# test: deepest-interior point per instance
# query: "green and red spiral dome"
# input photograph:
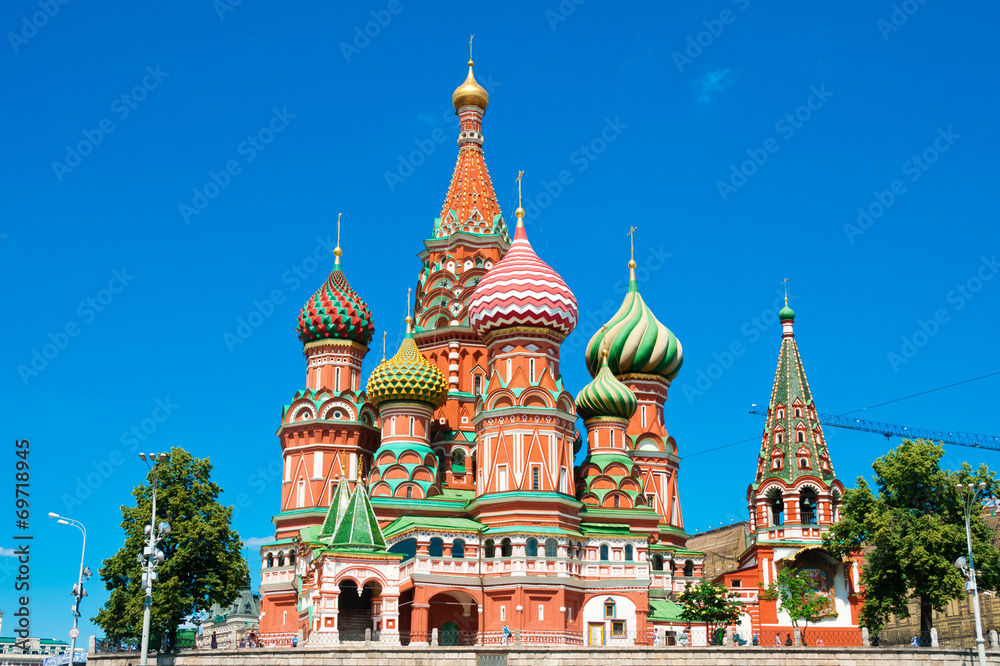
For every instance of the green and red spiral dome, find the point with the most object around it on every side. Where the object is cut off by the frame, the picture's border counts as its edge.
(336, 312)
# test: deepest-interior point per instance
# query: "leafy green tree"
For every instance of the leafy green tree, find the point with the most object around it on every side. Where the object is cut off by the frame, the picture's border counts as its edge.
(911, 530)
(793, 590)
(712, 604)
(203, 565)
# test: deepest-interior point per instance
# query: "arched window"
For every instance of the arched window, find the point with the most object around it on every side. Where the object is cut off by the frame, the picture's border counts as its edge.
(281, 558)
(531, 370)
(673, 566)
(604, 552)
(536, 478)
(392, 426)
(491, 549)
(781, 413)
(407, 548)
(506, 550)
(458, 548)
(807, 504)
(551, 548)
(336, 379)
(688, 568)
(411, 426)
(801, 436)
(531, 547)
(777, 507)
(409, 492)
(291, 557)
(618, 501)
(629, 553)
(436, 548)
(270, 560)
(477, 384)
(803, 463)
(779, 438)
(458, 461)
(441, 466)
(657, 562)
(798, 413)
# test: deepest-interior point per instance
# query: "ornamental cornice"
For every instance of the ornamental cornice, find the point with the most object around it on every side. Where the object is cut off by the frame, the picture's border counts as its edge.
(513, 332)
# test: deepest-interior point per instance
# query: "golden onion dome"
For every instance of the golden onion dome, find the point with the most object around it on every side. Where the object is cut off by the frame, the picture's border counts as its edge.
(470, 93)
(407, 376)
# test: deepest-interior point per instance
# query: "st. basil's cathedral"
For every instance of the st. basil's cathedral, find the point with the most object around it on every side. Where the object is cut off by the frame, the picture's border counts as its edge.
(440, 498)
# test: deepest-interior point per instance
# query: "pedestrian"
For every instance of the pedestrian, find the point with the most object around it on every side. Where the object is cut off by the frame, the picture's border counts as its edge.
(295, 641)
(777, 639)
(915, 641)
(788, 639)
(756, 640)
(215, 641)
(506, 634)
(656, 637)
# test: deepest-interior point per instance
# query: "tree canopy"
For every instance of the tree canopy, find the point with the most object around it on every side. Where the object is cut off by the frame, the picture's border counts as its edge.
(911, 530)
(202, 567)
(710, 603)
(795, 594)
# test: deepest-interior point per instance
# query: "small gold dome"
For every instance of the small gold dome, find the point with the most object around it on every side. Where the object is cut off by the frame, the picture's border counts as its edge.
(470, 93)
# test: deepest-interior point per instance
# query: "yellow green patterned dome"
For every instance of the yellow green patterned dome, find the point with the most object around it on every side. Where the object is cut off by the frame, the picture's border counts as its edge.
(407, 376)
(635, 340)
(606, 396)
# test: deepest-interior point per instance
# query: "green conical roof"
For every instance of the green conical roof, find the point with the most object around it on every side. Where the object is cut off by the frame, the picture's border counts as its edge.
(338, 508)
(636, 341)
(359, 529)
(606, 396)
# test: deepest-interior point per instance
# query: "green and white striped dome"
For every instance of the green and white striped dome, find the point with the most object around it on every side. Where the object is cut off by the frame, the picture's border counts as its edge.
(606, 396)
(636, 341)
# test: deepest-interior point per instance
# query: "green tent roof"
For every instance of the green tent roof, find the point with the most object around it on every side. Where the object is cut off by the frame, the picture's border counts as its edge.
(338, 508)
(665, 611)
(359, 530)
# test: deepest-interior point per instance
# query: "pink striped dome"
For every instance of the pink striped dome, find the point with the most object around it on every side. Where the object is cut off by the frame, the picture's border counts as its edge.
(522, 290)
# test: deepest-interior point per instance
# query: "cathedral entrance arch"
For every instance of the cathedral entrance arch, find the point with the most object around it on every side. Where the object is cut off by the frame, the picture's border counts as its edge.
(357, 609)
(455, 614)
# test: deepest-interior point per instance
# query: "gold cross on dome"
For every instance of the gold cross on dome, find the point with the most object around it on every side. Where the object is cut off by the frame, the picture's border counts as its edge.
(784, 283)
(631, 242)
(384, 333)
(338, 228)
(518, 181)
(470, 47)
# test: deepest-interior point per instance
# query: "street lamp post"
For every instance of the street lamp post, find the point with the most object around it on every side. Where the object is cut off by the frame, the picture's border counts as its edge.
(78, 590)
(971, 496)
(151, 553)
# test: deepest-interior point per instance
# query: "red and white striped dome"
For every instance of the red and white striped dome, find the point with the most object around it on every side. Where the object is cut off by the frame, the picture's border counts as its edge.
(522, 290)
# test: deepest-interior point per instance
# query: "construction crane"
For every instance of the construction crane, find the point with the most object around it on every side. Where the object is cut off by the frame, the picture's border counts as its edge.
(889, 430)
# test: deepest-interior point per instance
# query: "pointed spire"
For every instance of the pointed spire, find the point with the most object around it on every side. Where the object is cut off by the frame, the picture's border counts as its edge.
(792, 422)
(359, 529)
(632, 285)
(338, 508)
(337, 251)
(519, 213)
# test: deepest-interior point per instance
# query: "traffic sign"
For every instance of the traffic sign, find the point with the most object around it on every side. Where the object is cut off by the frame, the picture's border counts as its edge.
(74, 633)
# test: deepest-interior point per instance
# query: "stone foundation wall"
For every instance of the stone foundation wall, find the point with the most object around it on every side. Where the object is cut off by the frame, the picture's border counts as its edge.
(374, 655)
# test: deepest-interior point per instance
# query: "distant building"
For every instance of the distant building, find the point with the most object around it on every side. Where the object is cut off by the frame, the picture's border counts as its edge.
(234, 622)
(30, 651)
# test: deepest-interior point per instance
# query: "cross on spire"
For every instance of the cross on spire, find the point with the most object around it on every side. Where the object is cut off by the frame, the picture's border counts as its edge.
(470, 47)
(784, 283)
(384, 333)
(518, 181)
(631, 243)
(337, 251)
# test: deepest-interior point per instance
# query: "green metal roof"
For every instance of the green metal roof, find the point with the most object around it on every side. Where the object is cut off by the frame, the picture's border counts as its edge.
(665, 611)
(359, 528)
(604, 528)
(406, 523)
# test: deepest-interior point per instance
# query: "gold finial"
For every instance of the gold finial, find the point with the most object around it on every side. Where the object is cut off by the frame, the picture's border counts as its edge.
(361, 469)
(384, 333)
(604, 342)
(519, 213)
(409, 319)
(631, 261)
(784, 283)
(337, 251)
(470, 50)
(343, 466)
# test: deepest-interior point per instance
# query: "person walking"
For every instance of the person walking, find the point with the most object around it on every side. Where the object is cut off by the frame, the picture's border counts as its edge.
(777, 639)
(215, 641)
(788, 639)
(506, 634)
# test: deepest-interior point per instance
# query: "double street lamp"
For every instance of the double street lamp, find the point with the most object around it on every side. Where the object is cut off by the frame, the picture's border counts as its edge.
(153, 556)
(971, 496)
(78, 591)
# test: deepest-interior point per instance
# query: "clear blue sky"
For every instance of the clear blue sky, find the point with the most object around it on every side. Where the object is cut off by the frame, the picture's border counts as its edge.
(713, 255)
